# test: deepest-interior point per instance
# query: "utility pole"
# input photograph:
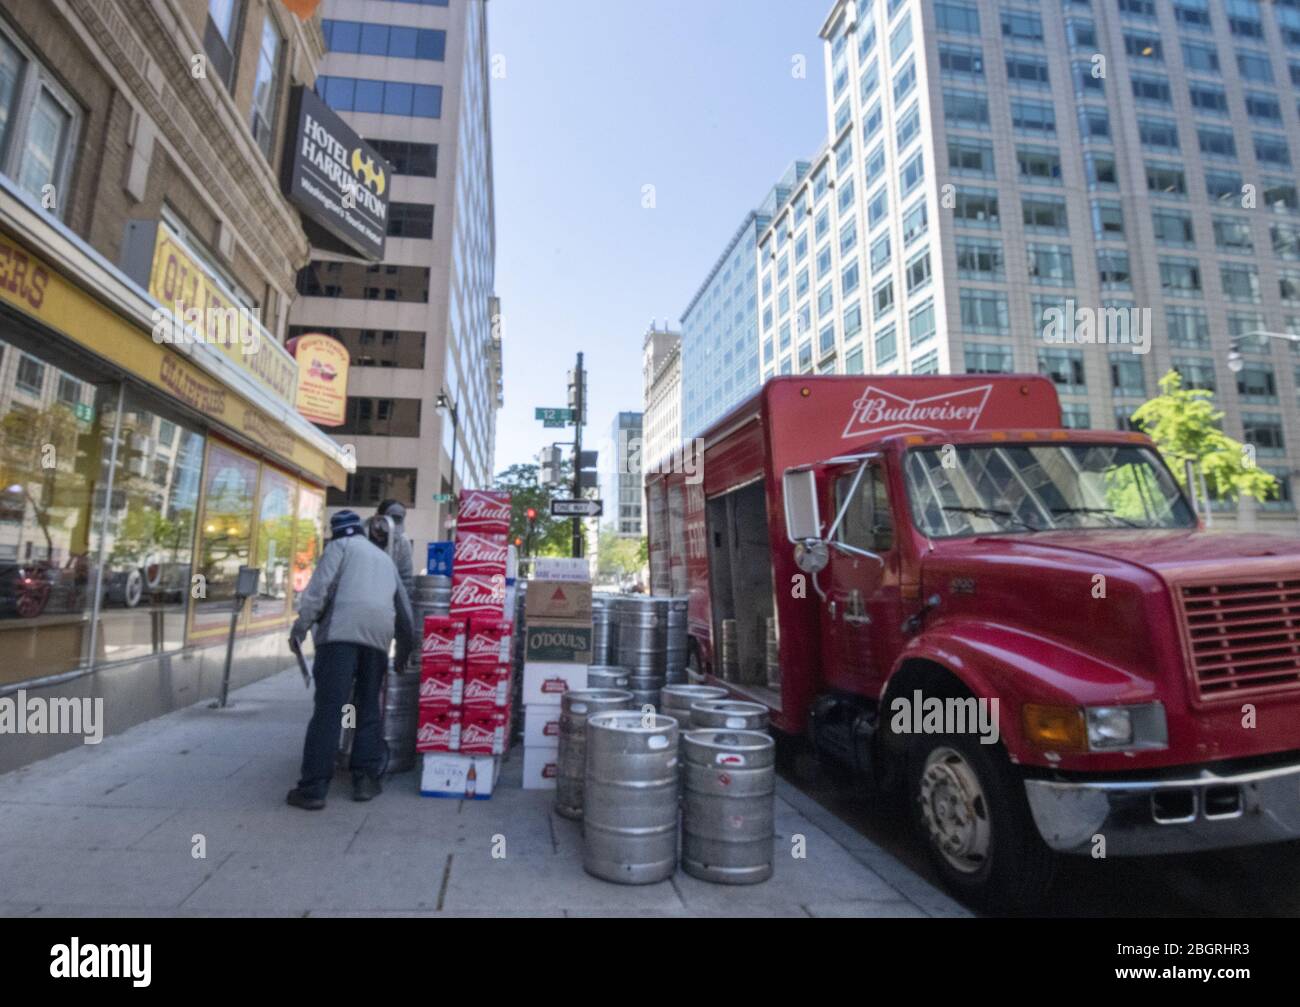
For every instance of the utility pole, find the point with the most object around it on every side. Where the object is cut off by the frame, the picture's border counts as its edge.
(579, 414)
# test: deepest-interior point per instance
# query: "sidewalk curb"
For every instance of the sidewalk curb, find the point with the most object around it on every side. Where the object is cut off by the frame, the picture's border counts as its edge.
(904, 880)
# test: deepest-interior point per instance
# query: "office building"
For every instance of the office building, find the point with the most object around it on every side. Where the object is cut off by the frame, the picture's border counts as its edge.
(989, 165)
(422, 327)
(624, 488)
(661, 372)
(720, 363)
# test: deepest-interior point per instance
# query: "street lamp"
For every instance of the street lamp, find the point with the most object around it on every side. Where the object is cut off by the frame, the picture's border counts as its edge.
(1236, 361)
(444, 402)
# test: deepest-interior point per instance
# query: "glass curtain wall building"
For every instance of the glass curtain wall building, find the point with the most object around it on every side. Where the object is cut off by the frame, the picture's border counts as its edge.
(991, 167)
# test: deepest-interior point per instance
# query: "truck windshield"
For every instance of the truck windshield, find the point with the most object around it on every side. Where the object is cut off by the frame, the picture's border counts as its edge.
(985, 489)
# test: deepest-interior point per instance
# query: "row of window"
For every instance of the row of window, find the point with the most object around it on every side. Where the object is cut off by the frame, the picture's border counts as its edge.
(370, 39)
(386, 97)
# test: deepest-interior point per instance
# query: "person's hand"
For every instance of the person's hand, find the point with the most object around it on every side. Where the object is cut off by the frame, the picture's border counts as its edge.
(296, 636)
(401, 659)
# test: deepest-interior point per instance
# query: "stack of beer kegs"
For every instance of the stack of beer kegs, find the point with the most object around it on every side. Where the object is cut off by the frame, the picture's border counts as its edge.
(602, 627)
(642, 645)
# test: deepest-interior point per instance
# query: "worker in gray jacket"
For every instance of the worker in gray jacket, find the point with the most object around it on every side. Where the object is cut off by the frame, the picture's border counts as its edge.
(354, 606)
(399, 547)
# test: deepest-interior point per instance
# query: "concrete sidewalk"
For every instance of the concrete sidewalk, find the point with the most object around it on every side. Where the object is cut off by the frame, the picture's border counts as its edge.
(114, 830)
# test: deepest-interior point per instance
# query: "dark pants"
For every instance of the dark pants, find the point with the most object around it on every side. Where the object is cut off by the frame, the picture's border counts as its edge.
(337, 667)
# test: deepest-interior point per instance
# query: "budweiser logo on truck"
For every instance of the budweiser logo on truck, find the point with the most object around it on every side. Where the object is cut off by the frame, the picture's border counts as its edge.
(483, 511)
(476, 553)
(880, 412)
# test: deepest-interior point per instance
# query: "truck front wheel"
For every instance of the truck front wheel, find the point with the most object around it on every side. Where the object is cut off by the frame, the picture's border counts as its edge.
(969, 809)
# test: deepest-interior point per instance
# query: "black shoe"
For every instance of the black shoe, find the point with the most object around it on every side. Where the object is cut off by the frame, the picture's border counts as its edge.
(366, 787)
(305, 801)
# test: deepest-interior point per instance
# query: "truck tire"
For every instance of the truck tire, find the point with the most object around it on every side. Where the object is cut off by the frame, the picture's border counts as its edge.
(968, 807)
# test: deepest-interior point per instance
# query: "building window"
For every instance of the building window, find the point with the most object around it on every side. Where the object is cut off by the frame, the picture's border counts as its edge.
(886, 346)
(970, 157)
(1051, 264)
(220, 37)
(371, 39)
(984, 311)
(1173, 227)
(369, 487)
(1188, 328)
(921, 325)
(386, 97)
(1196, 372)
(926, 363)
(1033, 117)
(1126, 375)
(1256, 383)
(1264, 430)
(1180, 277)
(266, 88)
(1064, 367)
(38, 124)
(408, 157)
(985, 358)
(979, 260)
(976, 207)
(1045, 213)
(915, 222)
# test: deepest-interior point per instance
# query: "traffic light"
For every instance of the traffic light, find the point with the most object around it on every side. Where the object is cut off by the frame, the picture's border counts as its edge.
(532, 513)
(548, 460)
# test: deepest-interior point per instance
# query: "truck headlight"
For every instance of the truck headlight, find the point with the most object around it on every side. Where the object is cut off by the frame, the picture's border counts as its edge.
(1126, 728)
(1096, 728)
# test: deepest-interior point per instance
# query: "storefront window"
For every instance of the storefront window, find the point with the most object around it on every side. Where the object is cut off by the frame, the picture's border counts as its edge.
(275, 528)
(309, 540)
(225, 536)
(148, 535)
(54, 426)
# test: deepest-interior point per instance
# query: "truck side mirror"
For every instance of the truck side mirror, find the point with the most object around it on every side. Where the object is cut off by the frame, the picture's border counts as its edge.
(802, 520)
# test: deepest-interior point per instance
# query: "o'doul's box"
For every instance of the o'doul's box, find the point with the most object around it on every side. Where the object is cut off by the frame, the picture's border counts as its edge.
(558, 640)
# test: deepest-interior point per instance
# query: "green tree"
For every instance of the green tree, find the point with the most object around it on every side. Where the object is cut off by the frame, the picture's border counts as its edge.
(1185, 425)
(551, 536)
(617, 556)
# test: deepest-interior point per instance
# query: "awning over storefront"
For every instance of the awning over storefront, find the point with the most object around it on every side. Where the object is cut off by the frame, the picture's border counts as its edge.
(71, 289)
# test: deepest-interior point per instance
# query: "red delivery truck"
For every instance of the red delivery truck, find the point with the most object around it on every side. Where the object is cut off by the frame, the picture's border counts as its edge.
(1022, 627)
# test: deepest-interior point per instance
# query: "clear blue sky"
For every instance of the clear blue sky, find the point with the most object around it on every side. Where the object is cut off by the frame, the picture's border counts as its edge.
(602, 97)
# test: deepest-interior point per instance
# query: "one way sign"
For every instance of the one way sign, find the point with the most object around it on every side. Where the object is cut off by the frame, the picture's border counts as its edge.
(577, 508)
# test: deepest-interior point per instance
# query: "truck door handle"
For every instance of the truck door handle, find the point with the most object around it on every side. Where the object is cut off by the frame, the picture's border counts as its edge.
(833, 608)
(857, 620)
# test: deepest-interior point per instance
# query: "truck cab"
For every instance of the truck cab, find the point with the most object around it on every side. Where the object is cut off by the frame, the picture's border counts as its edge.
(1023, 628)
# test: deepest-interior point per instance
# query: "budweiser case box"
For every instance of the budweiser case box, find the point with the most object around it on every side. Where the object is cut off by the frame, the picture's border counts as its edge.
(444, 641)
(546, 681)
(557, 599)
(487, 686)
(439, 729)
(463, 777)
(541, 725)
(561, 568)
(541, 767)
(479, 552)
(486, 511)
(489, 640)
(442, 686)
(477, 594)
(484, 731)
(558, 640)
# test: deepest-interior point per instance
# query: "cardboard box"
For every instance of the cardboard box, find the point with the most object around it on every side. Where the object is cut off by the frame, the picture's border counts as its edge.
(444, 640)
(561, 568)
(442, 685)
(487, 686)
(489, 641)
(541, 767)
(485, 732)
(477, 594)
(477, 552)
(461, 777)
(541, 725)
(567, 641)
(557, 599)
(486, 511)
(439, 729)
(546, 681)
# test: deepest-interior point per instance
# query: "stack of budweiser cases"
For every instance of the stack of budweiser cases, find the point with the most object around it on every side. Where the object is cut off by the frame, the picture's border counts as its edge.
(465, 673)
(557, 651)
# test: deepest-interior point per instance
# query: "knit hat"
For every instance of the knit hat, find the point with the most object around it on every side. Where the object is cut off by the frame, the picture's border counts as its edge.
(345, 523)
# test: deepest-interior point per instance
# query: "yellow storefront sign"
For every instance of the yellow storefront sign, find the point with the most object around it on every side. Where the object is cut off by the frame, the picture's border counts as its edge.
(181, 283)
(33, 287)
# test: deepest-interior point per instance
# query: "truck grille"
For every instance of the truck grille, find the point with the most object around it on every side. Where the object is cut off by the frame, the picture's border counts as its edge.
(1243, 639)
